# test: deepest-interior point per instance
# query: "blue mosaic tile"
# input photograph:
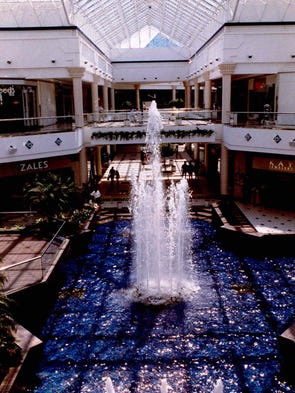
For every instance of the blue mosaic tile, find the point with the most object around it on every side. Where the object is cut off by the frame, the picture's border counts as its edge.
(228, 329)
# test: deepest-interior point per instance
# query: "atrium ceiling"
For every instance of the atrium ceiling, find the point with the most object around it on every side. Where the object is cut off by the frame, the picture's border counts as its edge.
(115, 24)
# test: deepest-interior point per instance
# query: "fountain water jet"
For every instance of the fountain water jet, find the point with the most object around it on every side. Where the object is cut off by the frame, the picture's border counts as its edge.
(109, 386)
(218, 387)
(164, 385)
(161, 228)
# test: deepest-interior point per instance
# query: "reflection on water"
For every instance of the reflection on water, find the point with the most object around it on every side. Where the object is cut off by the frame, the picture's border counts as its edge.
(227, 330)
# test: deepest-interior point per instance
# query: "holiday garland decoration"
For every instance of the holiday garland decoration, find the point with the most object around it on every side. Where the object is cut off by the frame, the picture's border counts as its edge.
(129, 135)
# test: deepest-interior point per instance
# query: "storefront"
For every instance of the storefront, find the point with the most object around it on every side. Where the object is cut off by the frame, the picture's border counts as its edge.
(264, 180)
(17, 102)
(18, 174)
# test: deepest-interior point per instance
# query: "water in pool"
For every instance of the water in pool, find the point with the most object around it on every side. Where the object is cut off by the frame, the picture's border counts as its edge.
(226, 330)
(159, 306)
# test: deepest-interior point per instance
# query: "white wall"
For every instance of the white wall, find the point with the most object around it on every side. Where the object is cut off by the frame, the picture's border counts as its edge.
(274, 141)
(255, 49)
(149, 72)
(44, 54)
(37, 48)
(13, 148)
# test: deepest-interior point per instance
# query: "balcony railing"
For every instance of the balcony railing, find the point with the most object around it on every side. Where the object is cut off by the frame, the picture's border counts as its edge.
(263, 119)
(36, 124)
(134, 117)
(123, 118)
(36, 270)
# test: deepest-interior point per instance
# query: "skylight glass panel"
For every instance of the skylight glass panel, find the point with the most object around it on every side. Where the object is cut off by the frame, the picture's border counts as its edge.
(141, 38)
(161, 41)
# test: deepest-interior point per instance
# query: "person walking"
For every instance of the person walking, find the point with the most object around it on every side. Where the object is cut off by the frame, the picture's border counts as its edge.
(117, 176)
(95, 195)
(112, 175)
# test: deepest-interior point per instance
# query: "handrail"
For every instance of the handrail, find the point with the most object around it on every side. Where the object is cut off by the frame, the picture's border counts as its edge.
(38, 256)
(162, 110)
(36, 118)
(54, 237)
(20, 263)
(102, 118)
(262, 119)
(109, 112)
(41, 258)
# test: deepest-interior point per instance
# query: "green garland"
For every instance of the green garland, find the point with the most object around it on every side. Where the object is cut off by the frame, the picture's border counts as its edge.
(129, 135)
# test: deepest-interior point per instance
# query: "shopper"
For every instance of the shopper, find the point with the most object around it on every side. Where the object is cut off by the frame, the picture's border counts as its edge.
(95, 195)
(112, 174)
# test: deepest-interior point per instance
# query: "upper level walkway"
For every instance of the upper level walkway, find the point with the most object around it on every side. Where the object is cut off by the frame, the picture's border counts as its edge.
(134, 118)
(106, 119)
(44, 138)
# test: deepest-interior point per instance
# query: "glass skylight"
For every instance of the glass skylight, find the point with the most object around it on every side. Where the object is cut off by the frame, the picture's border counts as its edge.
(136, 23)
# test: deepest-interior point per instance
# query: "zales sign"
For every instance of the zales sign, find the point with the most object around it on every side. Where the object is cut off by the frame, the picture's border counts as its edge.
(33, 166)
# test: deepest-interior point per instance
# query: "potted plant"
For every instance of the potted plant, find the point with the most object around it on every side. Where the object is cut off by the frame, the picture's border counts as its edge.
(10, 352)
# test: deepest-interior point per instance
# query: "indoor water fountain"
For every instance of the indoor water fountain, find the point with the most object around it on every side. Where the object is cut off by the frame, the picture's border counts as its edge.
(98, 339)
(161, 228)
(218, 388)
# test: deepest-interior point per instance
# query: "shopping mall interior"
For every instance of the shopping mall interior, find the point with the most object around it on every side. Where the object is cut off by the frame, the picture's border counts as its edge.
(80, 82)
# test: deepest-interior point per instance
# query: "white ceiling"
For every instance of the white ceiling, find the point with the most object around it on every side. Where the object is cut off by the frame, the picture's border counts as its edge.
(114, 24)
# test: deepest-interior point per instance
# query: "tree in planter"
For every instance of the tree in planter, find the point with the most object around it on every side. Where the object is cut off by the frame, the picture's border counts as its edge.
(127, 105)
(10, 352)
(51, 194)
(56, 197)
(167, 149)
(177, 103)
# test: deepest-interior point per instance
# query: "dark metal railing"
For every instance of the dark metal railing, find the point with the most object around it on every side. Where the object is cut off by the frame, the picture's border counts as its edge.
(136, 117)
(264, 119)
(36, 124)
(125, 118)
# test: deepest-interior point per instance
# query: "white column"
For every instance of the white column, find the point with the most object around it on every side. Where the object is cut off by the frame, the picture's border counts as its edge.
(137, 96)
(173, 93)
(206, 156)
(76, 73)
(196, 92)
(196, 150)
(94, 94)
(83, 167)
(187, 102)
(227, 71)
(224, 171)
(207, 91)
(98, 160)
(105, 96)
(113, 99)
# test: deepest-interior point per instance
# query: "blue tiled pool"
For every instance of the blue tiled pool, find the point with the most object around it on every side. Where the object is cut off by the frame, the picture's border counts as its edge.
(229, 329)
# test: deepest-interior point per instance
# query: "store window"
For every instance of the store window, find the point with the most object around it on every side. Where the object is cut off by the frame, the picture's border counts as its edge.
(18, 103)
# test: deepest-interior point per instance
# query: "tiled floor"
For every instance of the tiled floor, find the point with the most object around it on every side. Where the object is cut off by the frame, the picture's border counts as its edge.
(264, 220)
(130, 165)
(269, 220)
(15, 248)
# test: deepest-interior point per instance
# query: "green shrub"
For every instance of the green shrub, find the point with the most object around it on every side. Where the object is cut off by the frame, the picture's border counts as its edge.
(10, 352)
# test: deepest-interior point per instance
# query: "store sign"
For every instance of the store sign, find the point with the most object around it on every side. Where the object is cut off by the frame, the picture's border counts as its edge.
(33, 166)
(277, 165)
(7, 90)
